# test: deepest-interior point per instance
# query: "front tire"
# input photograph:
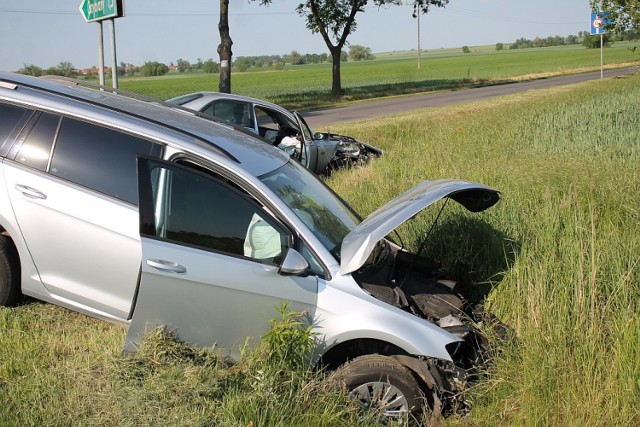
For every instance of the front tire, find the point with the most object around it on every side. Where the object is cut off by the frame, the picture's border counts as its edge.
(382, 384)
(9, 273)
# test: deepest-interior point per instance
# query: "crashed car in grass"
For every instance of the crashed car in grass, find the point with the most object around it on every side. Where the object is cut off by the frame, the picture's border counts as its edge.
(319, 152)
(138, 213)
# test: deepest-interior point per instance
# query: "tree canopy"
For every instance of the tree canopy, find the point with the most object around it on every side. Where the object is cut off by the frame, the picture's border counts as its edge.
(154, 68)
(623, 14)
(336, 19)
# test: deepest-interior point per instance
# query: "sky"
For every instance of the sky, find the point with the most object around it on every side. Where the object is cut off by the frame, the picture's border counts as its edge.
(46, 32)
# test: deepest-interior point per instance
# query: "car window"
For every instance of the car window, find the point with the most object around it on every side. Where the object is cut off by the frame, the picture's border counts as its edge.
(180, 100)
(201, 210)
(10, 115)
(236, 112)
(36, 148)
(100, 158)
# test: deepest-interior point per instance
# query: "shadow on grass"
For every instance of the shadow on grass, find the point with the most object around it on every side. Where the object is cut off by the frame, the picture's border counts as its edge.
(474, 253)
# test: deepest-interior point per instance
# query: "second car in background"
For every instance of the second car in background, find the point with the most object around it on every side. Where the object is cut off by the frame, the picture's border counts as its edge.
(320, 152)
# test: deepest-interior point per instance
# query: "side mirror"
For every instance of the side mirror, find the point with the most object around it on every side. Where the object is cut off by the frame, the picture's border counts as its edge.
(293, 264)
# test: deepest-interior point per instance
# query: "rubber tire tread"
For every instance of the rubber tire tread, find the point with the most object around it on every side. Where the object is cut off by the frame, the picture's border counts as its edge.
(377, 367)
(9, 273)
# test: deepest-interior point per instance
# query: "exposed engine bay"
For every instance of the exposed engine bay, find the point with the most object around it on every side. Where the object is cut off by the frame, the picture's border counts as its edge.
(417, 285)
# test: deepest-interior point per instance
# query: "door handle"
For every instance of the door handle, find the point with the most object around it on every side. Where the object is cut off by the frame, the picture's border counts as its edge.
(168, 266)
(32, 193)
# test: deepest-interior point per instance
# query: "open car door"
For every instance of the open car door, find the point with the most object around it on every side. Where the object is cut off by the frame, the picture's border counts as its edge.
(309, 149)
(212, 261)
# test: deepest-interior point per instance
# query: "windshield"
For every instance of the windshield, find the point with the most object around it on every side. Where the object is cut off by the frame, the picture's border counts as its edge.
(328, 217)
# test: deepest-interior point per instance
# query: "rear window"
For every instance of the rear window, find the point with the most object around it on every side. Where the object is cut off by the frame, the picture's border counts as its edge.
(10, 115)
(100, 158)
(181, 100)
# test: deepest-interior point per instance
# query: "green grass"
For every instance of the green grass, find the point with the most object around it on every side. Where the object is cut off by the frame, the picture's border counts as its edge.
(308, 86)
(558, 257)
(557, 260)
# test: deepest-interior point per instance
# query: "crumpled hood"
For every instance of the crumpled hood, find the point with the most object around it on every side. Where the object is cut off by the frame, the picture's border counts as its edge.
(358, 244)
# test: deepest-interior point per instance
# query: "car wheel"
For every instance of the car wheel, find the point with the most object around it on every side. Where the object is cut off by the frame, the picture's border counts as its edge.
(382, 384)
(9, 273)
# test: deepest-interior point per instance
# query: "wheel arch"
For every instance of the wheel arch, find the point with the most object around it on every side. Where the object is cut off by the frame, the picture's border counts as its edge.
(419, 367)
(11, 294)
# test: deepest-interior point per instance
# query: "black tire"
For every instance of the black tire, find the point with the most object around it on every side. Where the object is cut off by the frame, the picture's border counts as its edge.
(9, 273)
(382, 384)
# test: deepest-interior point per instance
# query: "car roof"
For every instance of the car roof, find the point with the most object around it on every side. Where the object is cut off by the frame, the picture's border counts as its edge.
(220, 95)
(253, 154)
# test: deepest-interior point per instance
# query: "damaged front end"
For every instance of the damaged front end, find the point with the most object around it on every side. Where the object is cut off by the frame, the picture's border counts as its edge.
(418, 286)
(348, 151)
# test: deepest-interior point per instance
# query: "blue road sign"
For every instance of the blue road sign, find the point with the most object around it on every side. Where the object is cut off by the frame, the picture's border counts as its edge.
(598, 22)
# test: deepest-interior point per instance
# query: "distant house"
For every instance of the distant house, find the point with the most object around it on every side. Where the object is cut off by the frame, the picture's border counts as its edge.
(93, 71)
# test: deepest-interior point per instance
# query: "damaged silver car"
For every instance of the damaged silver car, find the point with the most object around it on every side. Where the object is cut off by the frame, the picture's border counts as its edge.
(138, 213)
(320, 152)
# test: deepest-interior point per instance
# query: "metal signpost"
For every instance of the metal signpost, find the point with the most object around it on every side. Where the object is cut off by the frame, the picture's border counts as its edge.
(598, 23)
(98, 11)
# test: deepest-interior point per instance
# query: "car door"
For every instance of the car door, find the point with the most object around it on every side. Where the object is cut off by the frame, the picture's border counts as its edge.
(72, 186)
(210, 261)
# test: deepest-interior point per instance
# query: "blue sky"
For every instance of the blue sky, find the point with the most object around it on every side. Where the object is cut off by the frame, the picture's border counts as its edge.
(45, 32)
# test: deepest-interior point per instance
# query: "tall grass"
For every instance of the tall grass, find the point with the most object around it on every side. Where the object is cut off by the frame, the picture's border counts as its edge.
(558, 259)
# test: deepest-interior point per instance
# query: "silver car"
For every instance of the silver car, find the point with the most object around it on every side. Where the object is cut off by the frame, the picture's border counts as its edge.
(320, 152)
(138, 213)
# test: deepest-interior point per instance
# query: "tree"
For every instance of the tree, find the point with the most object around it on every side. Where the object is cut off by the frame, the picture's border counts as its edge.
(360, 53)
(294, 58)
(184, 65)
(210, 66)
(593, 42)
(242, 64)
(66, 69)
(624, 15)
(499, 46)
(31, 70)
(465, 49)
(224, 48)
(336, 19)
(154, 68)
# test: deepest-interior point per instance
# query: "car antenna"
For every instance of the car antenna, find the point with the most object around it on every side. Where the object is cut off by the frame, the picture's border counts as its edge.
(424, 242)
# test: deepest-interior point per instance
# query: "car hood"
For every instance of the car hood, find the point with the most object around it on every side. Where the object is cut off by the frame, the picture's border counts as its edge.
(360, 242)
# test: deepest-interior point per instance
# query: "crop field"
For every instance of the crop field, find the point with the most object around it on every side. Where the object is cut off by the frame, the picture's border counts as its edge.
(309, 86)
(557, 260)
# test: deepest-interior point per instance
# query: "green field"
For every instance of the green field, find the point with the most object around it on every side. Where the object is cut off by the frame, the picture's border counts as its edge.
(558, 260)
(394, 73)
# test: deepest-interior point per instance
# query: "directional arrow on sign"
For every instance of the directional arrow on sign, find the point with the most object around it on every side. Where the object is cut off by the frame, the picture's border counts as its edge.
(98, 10)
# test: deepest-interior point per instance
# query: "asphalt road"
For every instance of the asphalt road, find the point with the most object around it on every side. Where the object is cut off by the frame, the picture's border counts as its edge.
(370, 109)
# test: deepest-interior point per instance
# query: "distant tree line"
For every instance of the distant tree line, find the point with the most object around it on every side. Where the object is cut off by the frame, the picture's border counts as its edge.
(278, 62)
(583, 37)
(64, 68)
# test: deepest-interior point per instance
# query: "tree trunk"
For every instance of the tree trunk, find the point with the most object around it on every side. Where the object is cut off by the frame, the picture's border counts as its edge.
(336, 85)
(224, 48)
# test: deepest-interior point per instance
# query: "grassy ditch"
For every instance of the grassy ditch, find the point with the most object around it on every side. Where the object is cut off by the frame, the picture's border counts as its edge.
(557, 260)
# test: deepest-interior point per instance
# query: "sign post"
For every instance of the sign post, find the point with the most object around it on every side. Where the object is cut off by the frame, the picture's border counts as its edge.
(598, 23)
(98, 11)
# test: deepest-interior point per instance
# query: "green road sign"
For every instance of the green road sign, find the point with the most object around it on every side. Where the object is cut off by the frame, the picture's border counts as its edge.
(97, 10)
